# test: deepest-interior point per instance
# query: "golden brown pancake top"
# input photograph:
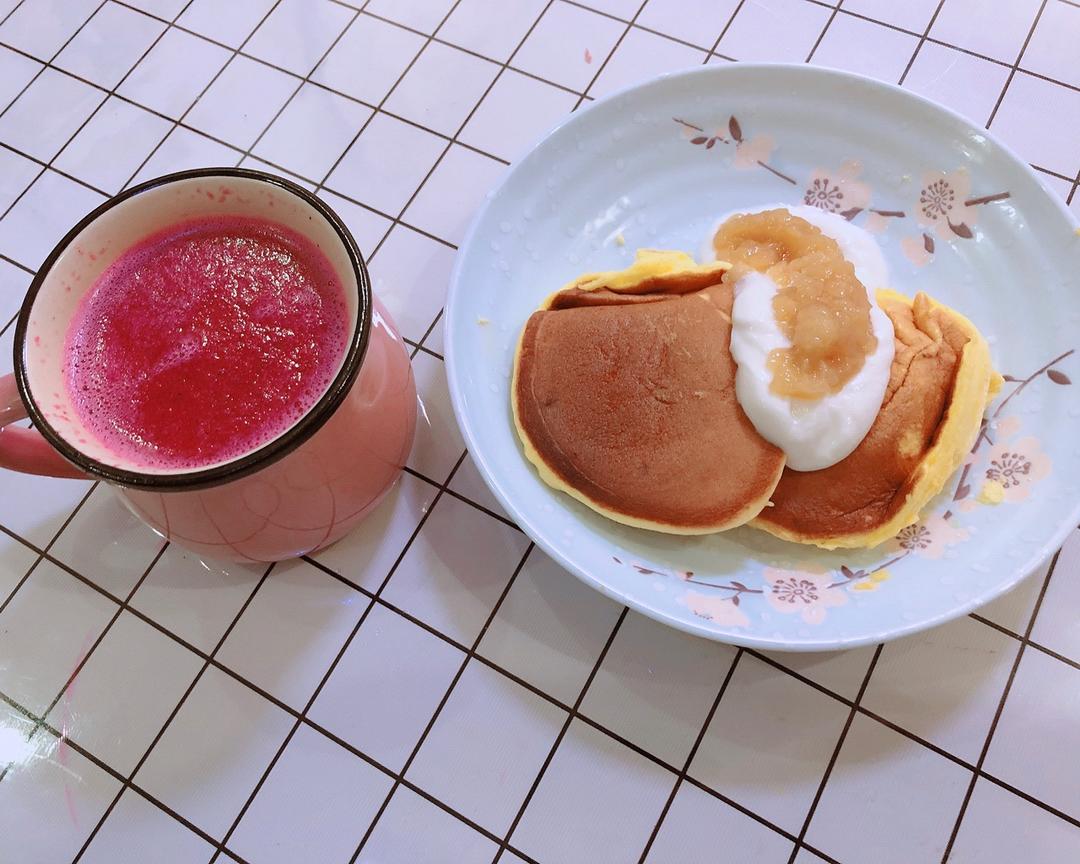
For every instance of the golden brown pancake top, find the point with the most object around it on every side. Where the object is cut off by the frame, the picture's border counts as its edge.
(628, 399)
(870, 486)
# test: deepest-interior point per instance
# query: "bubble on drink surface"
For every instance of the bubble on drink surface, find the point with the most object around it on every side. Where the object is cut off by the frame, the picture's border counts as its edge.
(204, 342)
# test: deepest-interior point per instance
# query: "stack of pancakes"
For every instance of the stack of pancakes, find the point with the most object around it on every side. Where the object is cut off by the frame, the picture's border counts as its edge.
(624, 397)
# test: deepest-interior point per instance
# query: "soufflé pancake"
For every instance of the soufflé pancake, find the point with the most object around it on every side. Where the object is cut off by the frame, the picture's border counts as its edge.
(783, 385)
(624, 397)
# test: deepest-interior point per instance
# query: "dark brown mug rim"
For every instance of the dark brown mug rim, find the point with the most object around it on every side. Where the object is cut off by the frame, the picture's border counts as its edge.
(280, 446)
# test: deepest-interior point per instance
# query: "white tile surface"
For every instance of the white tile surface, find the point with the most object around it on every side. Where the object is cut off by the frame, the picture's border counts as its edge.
(298, 33)
(41, 27)
(167, 9)
(467, 480)
(453, 193)
(699, 22)
(1001, 826)
(1036, 118)
(912, 15)
(230, 23)
(769, 743)
(366, 555)
(16, 71)
(315, 805)
(292, 630)
(46, 630)
(51, 110)
(450, 585)
(15, 561)
(50, 803)
(174, 73)
(550, 629)
(125, 692)
(699, 825)
(386, 687)
(207, 778)
(861, 46)
(240, 104)
(656, 686)
(842, 672)
(486, 747)
(568, 45)
(438, 443)
(441, 88)
(867, 811)
(368, 59)
(107, 544)
(958, 23)
(640, 56)
(138, 832)
(597, 802)
(968, 85)
(422, 15)
(1052, 49)
(781, 31)
(365, 175)
(514, 115)
(1057, 627)
(409, 274)
(109, 45)
(182, 149)
(197, 600)
(16, 173)
(415, 830)
(953, 707)
(1043, 706)
(492, 28)
(113, 144)
(28, 233)
(289, 142)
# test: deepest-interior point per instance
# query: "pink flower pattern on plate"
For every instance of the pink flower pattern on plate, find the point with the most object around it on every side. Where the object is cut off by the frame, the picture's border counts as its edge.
(838, 191)
(930, 537)
(805, 592)
(720, 610)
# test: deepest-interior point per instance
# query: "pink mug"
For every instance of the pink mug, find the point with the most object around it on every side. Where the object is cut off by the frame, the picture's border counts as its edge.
(301, 491)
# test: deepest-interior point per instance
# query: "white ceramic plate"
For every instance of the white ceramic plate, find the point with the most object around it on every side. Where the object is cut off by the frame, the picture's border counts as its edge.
(957, 215)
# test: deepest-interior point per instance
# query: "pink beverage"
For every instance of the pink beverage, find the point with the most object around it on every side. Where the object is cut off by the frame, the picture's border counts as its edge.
(236, 314)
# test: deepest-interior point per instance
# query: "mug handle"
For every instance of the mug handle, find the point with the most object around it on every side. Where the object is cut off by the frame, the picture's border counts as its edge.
(24, 449)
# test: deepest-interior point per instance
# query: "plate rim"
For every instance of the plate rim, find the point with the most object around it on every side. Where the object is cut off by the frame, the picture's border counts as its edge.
(458, 397)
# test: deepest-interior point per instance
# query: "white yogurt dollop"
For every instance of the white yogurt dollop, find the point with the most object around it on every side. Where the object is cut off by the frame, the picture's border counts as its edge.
(813, 433)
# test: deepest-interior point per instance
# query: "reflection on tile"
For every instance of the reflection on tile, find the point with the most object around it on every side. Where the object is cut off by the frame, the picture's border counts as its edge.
(656, 685)
(486, 747)
(386, 687)
(46, 630)
(438, 443)
(51, 802)
(968, 85)
(126, 691)
(867, 812)
(598, 801)
(315, 805)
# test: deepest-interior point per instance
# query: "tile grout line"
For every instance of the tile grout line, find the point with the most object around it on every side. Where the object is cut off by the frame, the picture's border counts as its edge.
(821, 36)
(302, 717)
(177, 122)
(13, 10)
(470, 654)
(505, 843)
(1016, 65)
(614, 48)
(1000, 708)
(922, 41)
(835, 755)
(690, 757)
(129, 779)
